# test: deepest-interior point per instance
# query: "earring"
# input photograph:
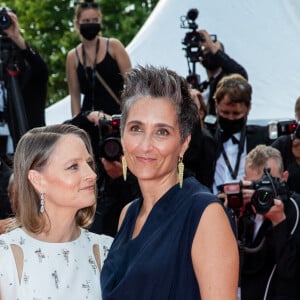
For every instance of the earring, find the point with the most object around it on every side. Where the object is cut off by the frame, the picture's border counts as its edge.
(180, 171)
(124, 167)
(42, 203)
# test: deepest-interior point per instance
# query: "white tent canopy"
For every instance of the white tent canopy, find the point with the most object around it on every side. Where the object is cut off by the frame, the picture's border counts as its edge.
(263, 36)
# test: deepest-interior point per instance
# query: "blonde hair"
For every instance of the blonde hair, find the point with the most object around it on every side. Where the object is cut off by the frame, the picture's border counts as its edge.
(258, 157)
(32, 153)
(82, 6)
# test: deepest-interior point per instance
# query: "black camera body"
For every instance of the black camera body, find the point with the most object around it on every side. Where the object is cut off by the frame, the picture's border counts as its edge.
(296, 133)
(283, 127)
(193, 37)
(110, 138)
(266, 190)
(5, 19)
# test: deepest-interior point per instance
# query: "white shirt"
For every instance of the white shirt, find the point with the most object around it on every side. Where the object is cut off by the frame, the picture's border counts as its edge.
(222, 173)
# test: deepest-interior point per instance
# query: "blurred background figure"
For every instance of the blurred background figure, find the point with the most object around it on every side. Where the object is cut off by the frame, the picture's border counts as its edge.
(95, 68)
(200, 156)
(233, 136)
(289, 147)
(9, 219)
(23, 84)
(297, 109)
(268, 229)
(217, 65)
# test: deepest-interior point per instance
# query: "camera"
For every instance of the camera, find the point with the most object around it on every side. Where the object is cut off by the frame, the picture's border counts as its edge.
(5, 19)
(110, 138)
(193, 37)
(233, 192)
(266, 190)
(278, 128)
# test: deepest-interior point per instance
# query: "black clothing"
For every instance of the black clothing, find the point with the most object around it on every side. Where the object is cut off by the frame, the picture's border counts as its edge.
(284, 145)
(157, 264)
(34, 80)
(276, 258)
(25, 77)
(96, 97)
(204, 150)
(255, 135)
(199, 158)
(5, 173)
(113, 195)
(229, 66)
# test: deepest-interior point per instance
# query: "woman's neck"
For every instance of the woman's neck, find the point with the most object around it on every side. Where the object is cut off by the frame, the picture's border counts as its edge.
(90, 44)
(60, 231)
(152, 191)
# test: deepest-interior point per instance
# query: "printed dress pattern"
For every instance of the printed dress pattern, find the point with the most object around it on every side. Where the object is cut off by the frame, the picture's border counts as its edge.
(51, 270)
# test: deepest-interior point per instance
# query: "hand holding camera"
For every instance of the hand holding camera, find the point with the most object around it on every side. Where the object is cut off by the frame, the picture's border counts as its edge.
(209, 43)
(9, 25)
(266, 195)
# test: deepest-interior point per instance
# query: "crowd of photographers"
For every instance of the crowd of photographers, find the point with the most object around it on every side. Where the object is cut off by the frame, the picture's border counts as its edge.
(256, 174)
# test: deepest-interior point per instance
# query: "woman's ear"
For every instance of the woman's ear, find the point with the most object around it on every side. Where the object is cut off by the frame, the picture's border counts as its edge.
(35, 178)
(185, 145)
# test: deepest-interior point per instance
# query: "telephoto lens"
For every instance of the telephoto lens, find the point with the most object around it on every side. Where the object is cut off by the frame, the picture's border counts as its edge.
(5, 19)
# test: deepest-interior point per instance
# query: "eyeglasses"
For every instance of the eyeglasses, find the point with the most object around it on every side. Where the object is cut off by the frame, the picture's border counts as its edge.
(87, 4)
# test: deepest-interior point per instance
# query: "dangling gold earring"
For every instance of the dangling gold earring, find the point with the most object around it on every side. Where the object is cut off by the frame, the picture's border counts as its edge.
(124, 167)
(42, 203)
(180, 171)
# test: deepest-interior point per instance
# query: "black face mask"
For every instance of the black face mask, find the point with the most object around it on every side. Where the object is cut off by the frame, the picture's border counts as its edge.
(208, 62)
(231, 127)
(89, 30)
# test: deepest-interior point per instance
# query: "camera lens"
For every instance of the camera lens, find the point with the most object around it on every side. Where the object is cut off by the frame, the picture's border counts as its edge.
(111, 149)
(5, 20)
(263, 199)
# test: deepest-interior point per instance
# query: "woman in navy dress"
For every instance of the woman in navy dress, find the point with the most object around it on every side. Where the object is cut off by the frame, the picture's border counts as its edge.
(175, 242)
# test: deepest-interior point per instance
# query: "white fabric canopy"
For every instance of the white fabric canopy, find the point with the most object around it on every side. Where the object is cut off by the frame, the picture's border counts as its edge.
(263, 36)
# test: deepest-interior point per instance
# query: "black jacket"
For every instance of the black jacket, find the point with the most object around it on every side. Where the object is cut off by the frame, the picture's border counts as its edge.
(284, 145)
(274, 267)
(204, 150)
(229, 66)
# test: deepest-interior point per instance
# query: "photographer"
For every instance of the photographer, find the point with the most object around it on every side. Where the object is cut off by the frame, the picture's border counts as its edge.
(289, 147)
(20, 60)
(217, 64)
(233, 136)
(268, 229)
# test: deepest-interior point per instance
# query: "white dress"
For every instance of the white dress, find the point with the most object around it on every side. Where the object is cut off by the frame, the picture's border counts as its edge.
(56, 271)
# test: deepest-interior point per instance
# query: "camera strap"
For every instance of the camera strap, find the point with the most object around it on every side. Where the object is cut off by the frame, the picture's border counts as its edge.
(234, 172)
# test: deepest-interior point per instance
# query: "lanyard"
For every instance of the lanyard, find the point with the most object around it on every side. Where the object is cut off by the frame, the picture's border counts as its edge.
(234, 172)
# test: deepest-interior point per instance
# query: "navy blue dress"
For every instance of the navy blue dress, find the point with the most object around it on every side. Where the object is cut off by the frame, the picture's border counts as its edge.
(157, 264)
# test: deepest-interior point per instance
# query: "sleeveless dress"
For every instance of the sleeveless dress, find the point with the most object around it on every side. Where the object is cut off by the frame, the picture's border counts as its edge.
(157, 264)
(57, 271)
(96, 97)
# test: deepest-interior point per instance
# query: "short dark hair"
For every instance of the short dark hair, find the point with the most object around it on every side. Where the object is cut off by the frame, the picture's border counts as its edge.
(155, 82)
(236, 87)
